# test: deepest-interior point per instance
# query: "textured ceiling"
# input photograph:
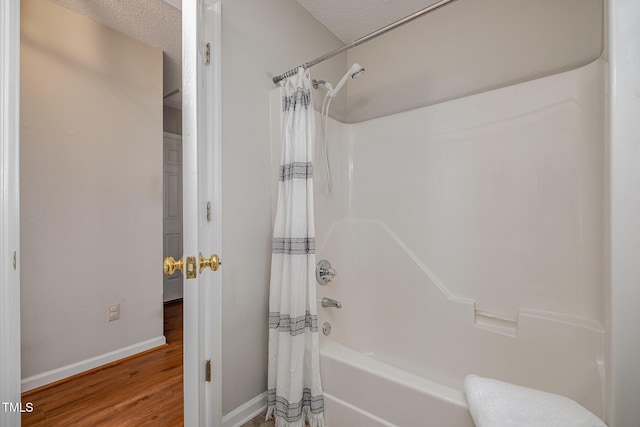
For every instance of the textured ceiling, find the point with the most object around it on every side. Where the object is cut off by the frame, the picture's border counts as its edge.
(153, 22)
(351, 19)
(158, 23)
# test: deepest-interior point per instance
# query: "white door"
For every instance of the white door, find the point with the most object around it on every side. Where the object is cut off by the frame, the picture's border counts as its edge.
(172, 212)
(202, 230)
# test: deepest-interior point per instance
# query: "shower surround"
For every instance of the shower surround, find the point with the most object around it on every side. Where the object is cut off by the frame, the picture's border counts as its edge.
(468, 237)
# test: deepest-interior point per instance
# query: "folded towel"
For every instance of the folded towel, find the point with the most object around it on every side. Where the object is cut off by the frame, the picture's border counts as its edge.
(495, 403)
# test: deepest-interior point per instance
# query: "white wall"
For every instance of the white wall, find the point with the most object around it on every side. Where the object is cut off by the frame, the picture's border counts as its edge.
(499, 194)
(469, 47)
(260, 40)
(91, 188)
(625, 211)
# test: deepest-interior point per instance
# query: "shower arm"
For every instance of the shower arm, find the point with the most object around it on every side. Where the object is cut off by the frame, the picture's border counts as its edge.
(364, 39)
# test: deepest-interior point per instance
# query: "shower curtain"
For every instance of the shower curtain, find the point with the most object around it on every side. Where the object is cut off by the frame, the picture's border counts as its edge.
(294, 388)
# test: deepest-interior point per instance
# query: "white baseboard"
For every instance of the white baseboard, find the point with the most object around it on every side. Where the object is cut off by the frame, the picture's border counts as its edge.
(245, 412)
(58, 374)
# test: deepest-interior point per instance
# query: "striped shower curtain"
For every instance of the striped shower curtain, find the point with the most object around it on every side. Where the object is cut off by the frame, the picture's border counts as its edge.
(294, 388)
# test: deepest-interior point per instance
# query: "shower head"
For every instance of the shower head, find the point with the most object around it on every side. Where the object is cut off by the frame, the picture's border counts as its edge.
(358, 72)
(355, 71)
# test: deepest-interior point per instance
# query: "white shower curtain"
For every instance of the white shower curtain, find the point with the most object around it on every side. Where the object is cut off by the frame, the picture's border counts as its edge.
(294, 386)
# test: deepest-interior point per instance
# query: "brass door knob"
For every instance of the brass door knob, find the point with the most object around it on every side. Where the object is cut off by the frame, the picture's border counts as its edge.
(213, 262)
(171, 265)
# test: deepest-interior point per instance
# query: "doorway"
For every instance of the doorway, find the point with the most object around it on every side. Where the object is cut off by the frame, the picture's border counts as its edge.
(202, 314)
(91, 192)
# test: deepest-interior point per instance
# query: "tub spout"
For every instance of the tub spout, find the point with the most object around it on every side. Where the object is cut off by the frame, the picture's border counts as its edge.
(328, 302)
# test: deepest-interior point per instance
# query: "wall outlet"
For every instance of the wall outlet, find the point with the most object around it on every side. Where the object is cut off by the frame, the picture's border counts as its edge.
(113, 312)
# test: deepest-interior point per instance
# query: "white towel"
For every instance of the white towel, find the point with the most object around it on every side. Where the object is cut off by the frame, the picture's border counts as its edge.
(494, 403)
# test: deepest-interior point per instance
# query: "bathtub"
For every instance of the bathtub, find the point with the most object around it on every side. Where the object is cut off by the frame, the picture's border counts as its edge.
(362, 391)
(400, 358)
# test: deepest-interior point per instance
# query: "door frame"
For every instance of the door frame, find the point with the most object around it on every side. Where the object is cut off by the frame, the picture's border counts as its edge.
(201, 154)
(10, 385)
(211, 119)
(201, 19)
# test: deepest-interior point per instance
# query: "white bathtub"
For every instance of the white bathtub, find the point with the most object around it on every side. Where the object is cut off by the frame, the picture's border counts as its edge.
(362, 391)
(399, 358)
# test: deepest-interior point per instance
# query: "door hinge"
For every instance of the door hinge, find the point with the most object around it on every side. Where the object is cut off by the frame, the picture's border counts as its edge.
(207, 54)
(208, 211)
(207, 371)
(15, 260)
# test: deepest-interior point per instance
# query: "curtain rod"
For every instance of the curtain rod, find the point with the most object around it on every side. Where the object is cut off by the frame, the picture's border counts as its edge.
(364, 39)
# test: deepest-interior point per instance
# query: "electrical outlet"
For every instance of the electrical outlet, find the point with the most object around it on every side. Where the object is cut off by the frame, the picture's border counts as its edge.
(113, 312)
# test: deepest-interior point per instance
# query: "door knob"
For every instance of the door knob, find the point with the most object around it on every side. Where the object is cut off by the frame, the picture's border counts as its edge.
(171, 265)
(213, 262)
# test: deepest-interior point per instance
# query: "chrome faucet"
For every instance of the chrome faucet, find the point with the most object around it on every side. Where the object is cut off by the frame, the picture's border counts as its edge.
(328, 302)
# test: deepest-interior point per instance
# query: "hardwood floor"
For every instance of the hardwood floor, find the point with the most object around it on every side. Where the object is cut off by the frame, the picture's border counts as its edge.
(144, 390)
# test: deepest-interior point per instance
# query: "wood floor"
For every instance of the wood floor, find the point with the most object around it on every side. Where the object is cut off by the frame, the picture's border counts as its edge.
(144, 390)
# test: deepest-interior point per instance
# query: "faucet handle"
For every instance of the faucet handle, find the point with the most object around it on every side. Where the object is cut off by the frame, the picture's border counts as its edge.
(324, 272)
(331, 272)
